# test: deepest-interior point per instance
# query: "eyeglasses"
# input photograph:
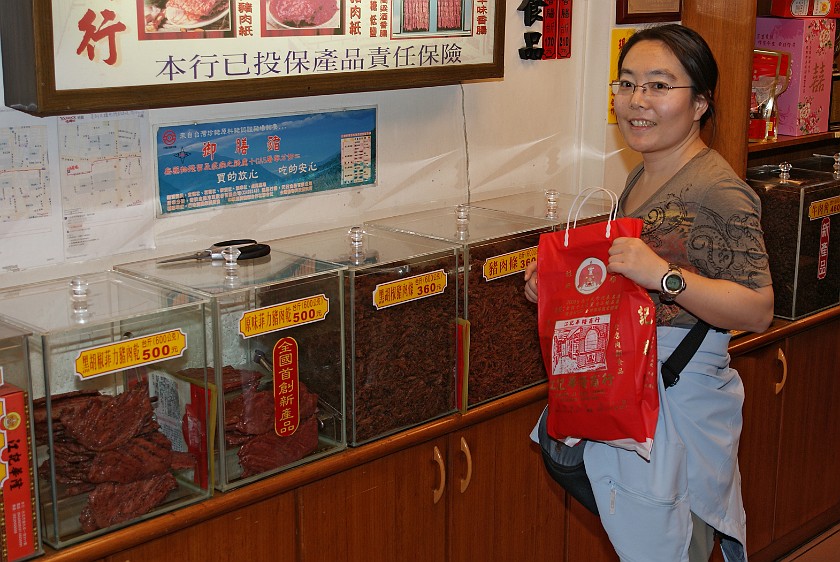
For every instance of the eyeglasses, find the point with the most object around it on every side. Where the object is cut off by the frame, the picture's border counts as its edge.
(653, 89)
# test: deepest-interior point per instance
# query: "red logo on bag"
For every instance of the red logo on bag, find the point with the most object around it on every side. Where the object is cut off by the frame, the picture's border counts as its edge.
(590, 275)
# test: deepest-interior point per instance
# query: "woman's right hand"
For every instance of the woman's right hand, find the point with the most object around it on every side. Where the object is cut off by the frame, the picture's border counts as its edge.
(531, 282)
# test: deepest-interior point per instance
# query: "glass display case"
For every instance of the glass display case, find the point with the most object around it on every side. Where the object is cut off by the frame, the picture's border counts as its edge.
(120, 434)
(798, 203)
(549, 204)
(501, 325)
(275, 355)
(400, 310)
(20, 537)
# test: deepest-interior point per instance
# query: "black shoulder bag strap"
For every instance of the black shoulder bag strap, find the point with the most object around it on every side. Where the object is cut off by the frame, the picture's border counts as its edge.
(672, 368)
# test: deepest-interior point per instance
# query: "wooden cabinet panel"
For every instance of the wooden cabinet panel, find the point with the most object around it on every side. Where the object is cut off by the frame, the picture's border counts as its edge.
(380, 511)
(761, 370)
(472, 493)
(261, 531)
(530, 518)
(809, 460)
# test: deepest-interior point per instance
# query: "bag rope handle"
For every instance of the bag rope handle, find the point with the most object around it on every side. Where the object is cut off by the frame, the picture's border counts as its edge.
(590, 191)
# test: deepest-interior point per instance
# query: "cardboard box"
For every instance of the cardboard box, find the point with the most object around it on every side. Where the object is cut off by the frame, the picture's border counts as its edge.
(19, 531)
(805, 8)
(805, 106)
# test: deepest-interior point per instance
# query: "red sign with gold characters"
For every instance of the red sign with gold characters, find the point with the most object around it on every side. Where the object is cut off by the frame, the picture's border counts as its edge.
(286, 391)
(18, 532)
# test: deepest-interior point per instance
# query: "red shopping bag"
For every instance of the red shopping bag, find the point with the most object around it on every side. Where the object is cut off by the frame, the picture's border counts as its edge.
(598, 337)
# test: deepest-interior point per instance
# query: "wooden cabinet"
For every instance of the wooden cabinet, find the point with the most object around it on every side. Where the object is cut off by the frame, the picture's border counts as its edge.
(761, 370)
(478, 493)
(791, 417)
(261, 531)
(381, 510)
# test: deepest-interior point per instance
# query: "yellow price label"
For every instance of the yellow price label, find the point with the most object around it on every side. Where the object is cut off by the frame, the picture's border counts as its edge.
(508, 264)
(824, 208)
(284, 315)
(409, 289)
(133, 352)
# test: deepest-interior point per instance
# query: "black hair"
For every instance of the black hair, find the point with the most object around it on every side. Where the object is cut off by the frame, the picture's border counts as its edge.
(693, 53)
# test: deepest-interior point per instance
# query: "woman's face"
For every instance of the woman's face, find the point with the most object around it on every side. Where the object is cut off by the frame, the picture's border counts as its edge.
(657, 125)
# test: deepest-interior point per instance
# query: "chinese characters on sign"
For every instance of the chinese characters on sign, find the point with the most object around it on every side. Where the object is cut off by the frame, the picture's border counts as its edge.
(110, 43)
(204, 165)
(286, 391)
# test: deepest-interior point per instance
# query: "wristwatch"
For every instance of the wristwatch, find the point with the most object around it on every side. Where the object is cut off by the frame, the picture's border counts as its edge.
(673, 283)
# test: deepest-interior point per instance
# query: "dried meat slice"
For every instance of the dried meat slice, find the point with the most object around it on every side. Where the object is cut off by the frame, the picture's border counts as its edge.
(107, 422)
(112, 503)
(143, 456)
(269, 451)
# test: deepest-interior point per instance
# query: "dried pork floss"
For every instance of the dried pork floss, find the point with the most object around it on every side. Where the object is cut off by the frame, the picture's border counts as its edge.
(400, 310)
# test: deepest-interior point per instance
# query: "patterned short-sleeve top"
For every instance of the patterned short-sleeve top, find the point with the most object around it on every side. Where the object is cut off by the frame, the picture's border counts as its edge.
(707, 220)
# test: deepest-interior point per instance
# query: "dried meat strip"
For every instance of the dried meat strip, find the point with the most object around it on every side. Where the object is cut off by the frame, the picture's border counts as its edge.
(108, 422)
(144, 456)
(112, 503)
(269, 451)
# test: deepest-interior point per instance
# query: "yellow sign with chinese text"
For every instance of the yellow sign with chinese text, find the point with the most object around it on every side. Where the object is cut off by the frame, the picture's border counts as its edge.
(284, 315)
(133, 352)
(508, 264)
(824, 208)
(409, 289)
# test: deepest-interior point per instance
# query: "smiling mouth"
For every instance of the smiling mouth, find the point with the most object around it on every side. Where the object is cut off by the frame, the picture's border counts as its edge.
(642, 123)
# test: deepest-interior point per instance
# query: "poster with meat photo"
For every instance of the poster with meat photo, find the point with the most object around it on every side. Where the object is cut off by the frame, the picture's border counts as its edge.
(184, 19)
(118, 43)
(302, 17)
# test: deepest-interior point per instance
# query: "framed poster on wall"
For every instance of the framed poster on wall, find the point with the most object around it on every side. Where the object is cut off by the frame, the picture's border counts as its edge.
(647, 11)
(76, 56)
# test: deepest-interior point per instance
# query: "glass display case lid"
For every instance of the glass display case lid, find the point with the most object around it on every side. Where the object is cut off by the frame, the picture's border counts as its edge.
(463, 224)
(10, 335)
(786, 177)
(549, 205)
(71, 303)
(363, 246)
(213, 278)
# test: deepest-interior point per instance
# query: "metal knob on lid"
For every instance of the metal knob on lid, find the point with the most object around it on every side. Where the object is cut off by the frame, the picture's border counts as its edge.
(356, 235)
(551, 203)
(79, 296)
(462, 222)
(231, 254)
(784, 168)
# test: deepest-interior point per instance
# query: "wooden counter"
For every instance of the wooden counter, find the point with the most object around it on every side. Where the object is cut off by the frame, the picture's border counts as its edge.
(424, 493)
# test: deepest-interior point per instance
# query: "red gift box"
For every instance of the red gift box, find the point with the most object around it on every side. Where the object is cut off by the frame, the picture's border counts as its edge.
(19, 533)
(805, 8)
(805, 106)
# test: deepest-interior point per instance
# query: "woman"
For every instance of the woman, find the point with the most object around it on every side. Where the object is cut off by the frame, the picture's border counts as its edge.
(702, 255)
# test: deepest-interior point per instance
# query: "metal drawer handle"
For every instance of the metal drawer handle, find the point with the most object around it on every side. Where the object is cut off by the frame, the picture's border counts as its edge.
(465, 449)
(438, 492)
(783, 360)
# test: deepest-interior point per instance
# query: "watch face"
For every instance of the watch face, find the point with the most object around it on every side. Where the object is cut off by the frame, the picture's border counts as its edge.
(673, 283)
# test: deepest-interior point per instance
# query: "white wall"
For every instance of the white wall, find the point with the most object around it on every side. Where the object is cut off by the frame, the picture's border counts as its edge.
(544, 125)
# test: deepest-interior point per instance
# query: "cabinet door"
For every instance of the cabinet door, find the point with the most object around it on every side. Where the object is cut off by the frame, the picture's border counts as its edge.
(809, 458)
(381, 511)
(761, 370)
(510, 510)
(262, 531)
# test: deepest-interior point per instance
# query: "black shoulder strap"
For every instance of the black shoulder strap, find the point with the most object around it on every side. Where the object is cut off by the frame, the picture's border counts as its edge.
(672, 368)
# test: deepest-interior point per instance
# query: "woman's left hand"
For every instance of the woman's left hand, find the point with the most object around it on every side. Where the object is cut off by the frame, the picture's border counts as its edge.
(635, 260)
